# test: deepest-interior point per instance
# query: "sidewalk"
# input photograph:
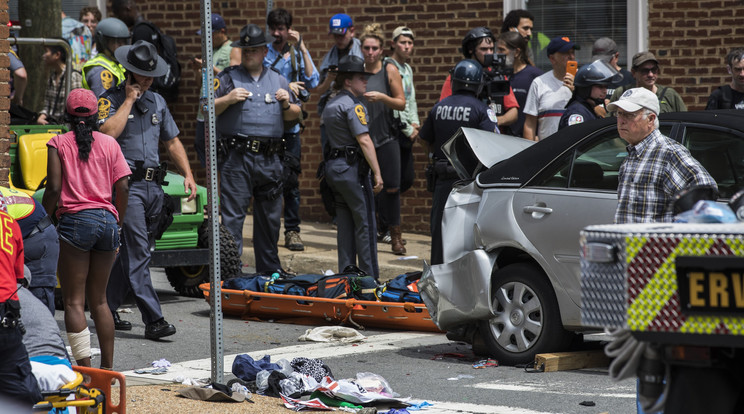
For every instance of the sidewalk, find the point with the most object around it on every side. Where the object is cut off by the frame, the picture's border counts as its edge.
(320, 252)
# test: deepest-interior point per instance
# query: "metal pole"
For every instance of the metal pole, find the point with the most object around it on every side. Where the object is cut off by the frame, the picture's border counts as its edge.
(207, 106)
(49, 42)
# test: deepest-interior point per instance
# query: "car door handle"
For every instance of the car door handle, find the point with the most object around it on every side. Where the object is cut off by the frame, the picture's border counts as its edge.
(538, 209)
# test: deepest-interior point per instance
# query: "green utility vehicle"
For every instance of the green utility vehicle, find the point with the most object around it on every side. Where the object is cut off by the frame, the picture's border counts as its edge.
(183, 249)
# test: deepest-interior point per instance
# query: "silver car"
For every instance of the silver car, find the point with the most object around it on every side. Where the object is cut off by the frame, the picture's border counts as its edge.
(510, 279)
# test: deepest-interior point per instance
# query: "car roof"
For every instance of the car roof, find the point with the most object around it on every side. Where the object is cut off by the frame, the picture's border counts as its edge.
(525, 164)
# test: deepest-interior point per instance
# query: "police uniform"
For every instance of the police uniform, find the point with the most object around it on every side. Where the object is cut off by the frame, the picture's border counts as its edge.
(101, 73)
(41, 243)
(149, 122)
(348, 176)
(445, 118)
(577, 111)
(250, 134)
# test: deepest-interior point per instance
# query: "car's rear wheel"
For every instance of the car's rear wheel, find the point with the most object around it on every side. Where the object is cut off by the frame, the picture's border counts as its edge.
(527, 320)
(186, 279)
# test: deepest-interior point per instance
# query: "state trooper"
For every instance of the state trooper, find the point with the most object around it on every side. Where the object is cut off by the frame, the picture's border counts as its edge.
(462, 109)
(252, 102)
(104, 71)
(347, 170)
(139, 119)
(590, 90)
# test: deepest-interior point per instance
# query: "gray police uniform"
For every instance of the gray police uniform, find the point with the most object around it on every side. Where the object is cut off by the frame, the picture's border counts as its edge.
(96, 83)
(348, 176)
(251, 134)
(149, 122)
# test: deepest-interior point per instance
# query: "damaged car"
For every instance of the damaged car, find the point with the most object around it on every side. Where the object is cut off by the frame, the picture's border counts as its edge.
(509, 283)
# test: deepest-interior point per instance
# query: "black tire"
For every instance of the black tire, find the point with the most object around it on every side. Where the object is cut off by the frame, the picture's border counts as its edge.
(186, 279)
(528, 320)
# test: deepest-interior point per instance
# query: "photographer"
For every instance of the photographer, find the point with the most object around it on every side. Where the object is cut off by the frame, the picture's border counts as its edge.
(289, 56)
(479, 45)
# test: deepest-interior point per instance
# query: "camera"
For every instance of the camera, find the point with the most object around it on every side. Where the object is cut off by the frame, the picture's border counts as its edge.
(494, 78)
(304, 95)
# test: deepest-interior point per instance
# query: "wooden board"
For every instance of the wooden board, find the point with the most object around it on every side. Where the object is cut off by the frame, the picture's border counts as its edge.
(563, 361)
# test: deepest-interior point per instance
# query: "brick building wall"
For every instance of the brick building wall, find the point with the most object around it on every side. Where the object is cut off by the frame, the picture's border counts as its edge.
(4, 93)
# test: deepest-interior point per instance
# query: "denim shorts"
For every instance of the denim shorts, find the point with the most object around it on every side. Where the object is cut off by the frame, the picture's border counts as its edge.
(94, 229)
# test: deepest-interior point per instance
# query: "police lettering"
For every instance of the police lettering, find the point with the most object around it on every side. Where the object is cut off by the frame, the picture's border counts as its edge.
(453, 113)
(716, 290)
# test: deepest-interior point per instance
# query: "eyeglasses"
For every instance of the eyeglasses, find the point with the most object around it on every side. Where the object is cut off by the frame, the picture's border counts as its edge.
(629, 116)
(654, 70)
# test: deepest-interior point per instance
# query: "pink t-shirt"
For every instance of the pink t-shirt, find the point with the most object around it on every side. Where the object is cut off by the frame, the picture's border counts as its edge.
(89, 185)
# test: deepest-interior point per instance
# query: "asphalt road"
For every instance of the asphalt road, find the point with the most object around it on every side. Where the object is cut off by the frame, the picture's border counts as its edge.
(423, 366)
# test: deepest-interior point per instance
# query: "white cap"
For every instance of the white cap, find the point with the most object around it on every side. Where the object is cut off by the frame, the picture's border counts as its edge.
(635, 99)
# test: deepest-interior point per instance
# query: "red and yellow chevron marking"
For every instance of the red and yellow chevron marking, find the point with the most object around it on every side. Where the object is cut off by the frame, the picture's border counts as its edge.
(653, 298)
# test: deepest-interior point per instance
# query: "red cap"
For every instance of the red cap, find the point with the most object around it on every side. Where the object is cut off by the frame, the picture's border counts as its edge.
(82, 103)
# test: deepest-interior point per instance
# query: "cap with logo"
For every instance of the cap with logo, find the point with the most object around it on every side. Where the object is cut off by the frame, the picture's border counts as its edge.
(604, 48)
(402, 30)
(635, 99)
(252, 36)
(339, 24)
(561, 44)
(82, 103)
(218, 23)
(643, 57)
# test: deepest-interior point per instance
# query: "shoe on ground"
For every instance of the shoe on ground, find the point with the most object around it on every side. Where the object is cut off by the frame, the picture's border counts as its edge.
(159, 329)
(293, 242)
(121, 325)
(385, 238)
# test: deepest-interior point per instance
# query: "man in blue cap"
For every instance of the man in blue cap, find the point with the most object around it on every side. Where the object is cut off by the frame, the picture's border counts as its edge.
(550, 92)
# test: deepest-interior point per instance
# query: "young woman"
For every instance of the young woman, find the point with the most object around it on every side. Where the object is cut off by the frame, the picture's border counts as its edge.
(82, 168)
(384, 94)
(514, 46)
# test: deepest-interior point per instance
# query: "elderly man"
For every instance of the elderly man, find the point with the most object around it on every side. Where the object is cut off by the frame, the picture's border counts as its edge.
(656, 167)
(645, 70)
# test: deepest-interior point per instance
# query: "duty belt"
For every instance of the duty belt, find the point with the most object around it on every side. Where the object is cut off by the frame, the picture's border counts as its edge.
(350, 153)
(444, 170)
(10, 314)
(40, 226)
(264, 145)
(157, 174)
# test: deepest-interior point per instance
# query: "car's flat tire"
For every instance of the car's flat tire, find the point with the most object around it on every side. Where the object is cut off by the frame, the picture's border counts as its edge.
(528, 320)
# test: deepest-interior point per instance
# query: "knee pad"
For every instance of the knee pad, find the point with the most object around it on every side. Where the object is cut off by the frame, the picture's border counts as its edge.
(80, 344)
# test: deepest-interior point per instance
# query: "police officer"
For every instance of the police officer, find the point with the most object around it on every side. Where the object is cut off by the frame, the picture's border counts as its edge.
(590, 90)
(41, 243)
(463, 109)
(103, 71)
(347, 170)
(138, 118)
(17, 384)
(252, 103)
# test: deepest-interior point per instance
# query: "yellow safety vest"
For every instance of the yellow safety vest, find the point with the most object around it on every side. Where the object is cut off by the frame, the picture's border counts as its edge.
(19, 204)
(102, 60)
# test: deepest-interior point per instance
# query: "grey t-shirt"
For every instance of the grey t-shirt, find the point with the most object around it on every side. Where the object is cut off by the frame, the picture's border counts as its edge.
(42, 332)
(344, 118)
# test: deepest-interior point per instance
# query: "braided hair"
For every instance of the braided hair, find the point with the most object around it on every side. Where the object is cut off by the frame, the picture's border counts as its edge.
(83, 128)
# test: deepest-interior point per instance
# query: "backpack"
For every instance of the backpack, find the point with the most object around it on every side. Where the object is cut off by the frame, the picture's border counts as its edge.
(166, 85)
(403, 288)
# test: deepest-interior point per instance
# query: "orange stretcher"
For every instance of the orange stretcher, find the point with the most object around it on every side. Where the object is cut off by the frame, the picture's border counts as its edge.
(309, 310)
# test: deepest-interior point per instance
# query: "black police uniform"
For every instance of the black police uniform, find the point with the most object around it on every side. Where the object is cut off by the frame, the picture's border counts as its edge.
(577, 111)
(348, 175)
(251, 167)
(462, 109)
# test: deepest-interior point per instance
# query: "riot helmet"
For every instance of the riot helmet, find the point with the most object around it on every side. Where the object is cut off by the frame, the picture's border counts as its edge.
(467, 75)
(474, 37)
(108, 29)
(598, 72)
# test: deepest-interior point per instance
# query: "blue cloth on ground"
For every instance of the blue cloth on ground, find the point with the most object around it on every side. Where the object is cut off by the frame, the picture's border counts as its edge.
(246, 368)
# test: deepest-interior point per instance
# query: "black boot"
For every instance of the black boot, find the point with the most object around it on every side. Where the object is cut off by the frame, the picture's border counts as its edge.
(121, 325)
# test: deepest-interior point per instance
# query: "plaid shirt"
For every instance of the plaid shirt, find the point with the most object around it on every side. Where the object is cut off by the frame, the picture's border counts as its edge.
(654, 171)
(54, 95)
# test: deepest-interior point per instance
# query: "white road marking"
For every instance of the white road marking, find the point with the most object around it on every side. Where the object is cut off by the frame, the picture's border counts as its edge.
(443, 407)
(201, 368)
(543, 390)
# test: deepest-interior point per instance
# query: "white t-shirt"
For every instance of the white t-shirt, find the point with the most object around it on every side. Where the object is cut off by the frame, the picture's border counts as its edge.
(547, 100)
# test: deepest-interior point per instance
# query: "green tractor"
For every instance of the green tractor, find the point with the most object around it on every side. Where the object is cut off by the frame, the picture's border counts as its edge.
(183, 249)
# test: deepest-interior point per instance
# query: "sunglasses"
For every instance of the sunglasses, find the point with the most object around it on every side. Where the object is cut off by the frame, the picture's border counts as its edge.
(654, 70)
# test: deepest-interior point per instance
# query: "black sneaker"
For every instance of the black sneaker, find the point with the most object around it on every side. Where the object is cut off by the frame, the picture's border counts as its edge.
(159, 329)
(121, 325)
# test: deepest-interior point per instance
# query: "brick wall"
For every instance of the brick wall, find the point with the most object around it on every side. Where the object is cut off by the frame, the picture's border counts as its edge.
(4, 93)
(438, 26)
(691, 40)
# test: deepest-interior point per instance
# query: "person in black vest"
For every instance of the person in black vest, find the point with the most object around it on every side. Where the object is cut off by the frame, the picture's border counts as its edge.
(462, 109)
(730, 96)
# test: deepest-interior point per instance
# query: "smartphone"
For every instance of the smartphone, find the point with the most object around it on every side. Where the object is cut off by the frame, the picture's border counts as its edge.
(571, 67)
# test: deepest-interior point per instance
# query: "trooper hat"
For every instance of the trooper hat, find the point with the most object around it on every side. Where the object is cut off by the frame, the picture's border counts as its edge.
(82, 103)
(141, 58)
(252, 36)
(352, 64)
(635, 99)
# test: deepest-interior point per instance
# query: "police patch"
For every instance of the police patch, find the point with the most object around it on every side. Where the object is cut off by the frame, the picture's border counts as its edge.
(104, 106)
(361, 114)
(575, 119)
(492, 115)
(216, 83)
(107, 78)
